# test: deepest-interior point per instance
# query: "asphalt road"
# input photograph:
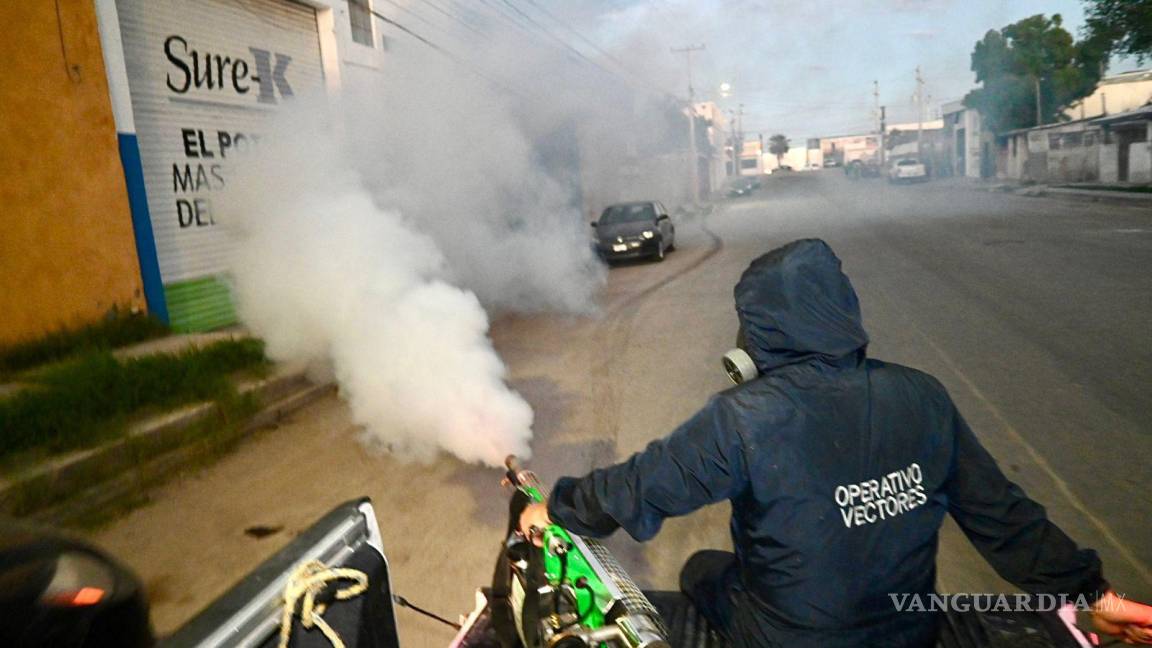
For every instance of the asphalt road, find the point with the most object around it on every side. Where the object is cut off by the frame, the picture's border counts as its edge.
(1035, 313)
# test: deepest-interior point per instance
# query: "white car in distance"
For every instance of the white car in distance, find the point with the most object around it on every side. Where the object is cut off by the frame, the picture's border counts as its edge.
(907, 170)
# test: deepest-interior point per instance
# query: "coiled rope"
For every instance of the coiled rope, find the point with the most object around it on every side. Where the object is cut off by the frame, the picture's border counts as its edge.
(306, 582)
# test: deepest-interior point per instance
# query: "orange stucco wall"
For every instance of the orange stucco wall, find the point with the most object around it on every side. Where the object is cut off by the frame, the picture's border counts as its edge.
(67, 254)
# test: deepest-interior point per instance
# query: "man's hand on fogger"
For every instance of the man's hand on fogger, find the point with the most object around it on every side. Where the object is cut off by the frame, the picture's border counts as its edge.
(533, 520)
(1119, 617)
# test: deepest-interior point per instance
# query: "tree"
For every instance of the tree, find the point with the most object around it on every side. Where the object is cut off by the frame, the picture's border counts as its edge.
(778, 145)
(1031, 71)
(1121, 26)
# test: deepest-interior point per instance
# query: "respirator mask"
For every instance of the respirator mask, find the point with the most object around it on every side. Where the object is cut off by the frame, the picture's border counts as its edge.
(737, 363)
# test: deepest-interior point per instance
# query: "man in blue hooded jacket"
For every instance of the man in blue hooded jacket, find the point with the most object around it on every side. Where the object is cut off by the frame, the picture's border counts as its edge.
(839, 469)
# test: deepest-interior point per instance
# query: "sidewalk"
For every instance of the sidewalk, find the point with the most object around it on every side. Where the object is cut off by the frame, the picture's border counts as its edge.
(86, 485)
(1085, 192)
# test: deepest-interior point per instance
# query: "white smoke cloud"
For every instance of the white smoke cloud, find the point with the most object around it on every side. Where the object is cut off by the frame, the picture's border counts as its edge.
(461, 159)
(327, 276)
(376, 229)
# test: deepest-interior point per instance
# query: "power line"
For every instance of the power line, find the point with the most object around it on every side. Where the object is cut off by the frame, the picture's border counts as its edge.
(467, 10)
(519, 24)
(509, 18)
(534, 29)
(596, 48)
(548, 33)
(447, 54)
(919, 112)
(408, 11)
(459, 19)
(439, 27)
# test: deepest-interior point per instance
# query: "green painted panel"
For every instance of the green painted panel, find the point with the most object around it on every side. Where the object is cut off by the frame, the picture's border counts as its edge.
(199, 304)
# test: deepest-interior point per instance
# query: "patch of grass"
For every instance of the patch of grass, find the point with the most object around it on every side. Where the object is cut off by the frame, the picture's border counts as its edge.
(111, 333)
(81, 402)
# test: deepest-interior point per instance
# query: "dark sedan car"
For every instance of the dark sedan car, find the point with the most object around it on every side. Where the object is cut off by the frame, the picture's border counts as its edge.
(742, 186)
(636, 229)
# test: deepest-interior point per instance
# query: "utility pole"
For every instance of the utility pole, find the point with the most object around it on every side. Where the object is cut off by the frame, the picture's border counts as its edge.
(1039, 114)
(695, 162)
(883, 131)
(732, 140)
(740, 135)
(919, 114)
(878, 113)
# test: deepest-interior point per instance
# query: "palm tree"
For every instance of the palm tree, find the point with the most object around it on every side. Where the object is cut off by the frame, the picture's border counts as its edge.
(778, 145)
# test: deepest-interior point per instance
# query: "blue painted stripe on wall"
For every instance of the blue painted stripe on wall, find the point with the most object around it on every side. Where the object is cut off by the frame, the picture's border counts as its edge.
(142, 226)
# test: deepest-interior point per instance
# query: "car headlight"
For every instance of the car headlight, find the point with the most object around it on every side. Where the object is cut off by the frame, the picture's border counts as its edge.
(647, 234)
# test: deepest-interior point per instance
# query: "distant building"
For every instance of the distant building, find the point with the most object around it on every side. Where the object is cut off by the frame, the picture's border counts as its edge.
(1126, 146)
(1107, 138)
(813, 156)
(924, 141)
(1115, 148)
(1115, 94)
(712, 165)
(752, 157)
(849, 148)
(1068, 152)
(797, 157)
(966, 146)
(1103, 138)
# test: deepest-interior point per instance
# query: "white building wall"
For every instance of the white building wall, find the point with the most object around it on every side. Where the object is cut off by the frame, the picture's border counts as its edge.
(191, 120)
(797, 157)
(973, 136)
(1109, 163)
(1140, 159)
(1014, 158)
(1116, 94)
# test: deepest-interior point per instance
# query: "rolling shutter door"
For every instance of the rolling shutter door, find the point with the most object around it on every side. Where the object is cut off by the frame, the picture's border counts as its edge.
(205, 78)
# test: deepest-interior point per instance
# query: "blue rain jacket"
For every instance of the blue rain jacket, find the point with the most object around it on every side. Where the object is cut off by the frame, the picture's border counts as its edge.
(839, 470)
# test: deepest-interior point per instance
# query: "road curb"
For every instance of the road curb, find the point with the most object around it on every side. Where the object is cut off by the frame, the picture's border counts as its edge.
(86, 483)
(1088, 195)
(1123, 198)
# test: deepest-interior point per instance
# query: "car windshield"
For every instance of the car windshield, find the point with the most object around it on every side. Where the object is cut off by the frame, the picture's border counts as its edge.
(908, 163)
(628, 213)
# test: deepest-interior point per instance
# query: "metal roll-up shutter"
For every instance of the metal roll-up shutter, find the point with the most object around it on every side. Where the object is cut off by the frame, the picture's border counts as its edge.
(206, 77)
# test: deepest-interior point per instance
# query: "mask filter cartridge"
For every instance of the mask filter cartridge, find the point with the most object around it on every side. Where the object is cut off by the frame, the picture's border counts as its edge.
(739, 366)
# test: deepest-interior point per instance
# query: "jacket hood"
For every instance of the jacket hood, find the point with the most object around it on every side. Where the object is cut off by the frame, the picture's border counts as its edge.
(794, 303)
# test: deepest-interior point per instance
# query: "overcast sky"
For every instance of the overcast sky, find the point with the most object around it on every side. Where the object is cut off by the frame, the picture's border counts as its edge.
(805, 67)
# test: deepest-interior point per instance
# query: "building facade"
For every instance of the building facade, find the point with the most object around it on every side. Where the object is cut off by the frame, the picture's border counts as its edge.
(968, 149)
(713, 162)
(1117, 93)
(192, 86)
(1116, 148)
(844, 149)
(134, 113)
(1104, 138)
(68, 249)
(752, 158)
